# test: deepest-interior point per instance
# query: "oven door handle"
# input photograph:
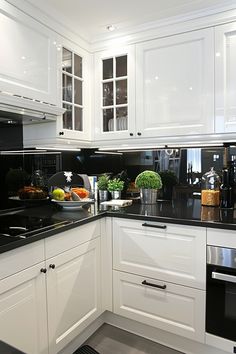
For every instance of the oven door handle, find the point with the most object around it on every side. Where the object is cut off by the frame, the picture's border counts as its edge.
(224, 277)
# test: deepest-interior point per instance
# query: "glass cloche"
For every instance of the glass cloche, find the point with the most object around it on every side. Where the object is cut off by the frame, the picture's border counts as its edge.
(210, 185)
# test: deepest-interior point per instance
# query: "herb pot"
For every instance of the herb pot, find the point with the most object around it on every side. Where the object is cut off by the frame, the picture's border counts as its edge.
(103, 196)
(116, 194)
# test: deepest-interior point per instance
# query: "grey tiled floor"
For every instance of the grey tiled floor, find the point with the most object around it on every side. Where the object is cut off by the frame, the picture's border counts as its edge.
(111, 340)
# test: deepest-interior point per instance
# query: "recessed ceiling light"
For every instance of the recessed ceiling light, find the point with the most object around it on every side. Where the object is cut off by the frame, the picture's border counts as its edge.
(111, 28)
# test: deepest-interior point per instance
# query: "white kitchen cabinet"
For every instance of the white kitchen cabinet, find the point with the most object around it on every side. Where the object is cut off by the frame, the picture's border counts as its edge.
(159, 272)
(114, 94)
(28, 61)
(225, 78)
(169, 252)
(50, 291)
(174, 308)
(73, 293)
(23, 311)
(74, 93)
(175, 85)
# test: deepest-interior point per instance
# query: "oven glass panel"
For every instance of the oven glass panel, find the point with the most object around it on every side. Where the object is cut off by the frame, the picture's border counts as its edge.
(221, 304)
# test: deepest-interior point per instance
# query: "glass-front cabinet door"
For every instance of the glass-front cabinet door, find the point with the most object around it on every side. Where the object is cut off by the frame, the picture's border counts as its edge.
(74, 92)
(114, 103)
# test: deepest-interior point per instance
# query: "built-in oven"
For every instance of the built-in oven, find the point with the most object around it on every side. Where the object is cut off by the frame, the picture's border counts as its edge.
(221, 292)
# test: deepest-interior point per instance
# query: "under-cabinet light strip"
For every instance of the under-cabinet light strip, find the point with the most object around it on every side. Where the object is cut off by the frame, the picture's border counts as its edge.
(7, 153)
(108, 152)
(57, 148)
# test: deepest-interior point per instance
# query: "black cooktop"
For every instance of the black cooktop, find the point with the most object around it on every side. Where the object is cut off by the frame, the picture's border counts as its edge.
(17, 226)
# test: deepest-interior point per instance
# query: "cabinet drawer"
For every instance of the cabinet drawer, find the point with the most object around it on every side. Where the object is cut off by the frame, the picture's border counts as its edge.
(71, 238)
(176, 253)
(21, 258)
(221, 238)
(177, 309)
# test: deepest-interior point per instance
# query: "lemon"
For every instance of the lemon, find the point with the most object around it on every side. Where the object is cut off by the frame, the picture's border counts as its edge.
(58, 194)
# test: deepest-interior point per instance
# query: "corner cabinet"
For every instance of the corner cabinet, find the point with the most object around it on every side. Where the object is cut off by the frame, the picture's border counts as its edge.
(225, 78)
(175, 85)
(114, 94)
(28, 61)
(73, 293)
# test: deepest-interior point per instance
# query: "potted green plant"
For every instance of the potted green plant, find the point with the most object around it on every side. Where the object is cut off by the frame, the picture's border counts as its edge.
(149, 182)
(169, 179)
(102, 185)
(115, 186)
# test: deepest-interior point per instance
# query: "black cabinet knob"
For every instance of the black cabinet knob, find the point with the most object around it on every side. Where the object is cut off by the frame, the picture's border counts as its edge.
(139, 133)
(131, 134)
(52, 266)
(61, 133)
(43, 270)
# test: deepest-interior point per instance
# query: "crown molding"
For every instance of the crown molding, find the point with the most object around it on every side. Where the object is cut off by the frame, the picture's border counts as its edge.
(166, 27)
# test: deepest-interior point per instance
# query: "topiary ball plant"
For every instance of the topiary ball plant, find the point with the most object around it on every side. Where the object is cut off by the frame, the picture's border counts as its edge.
(148, 180)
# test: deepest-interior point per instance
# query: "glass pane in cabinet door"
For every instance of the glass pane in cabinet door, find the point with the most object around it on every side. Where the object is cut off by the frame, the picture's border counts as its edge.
(122, 118)
(77, 66)
(107, 69)
(78, 92)
(121, 66)
(121, 92)
(67, 117)
(108, 120)
(67, 88)
(67, 60)
(107, 94)
(78, 119)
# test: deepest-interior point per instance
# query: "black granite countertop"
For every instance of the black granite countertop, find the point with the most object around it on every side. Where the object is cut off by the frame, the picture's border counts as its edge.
(186, 212)
(8, 349)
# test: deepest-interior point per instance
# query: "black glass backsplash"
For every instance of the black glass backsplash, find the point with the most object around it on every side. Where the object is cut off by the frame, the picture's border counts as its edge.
(17, 168)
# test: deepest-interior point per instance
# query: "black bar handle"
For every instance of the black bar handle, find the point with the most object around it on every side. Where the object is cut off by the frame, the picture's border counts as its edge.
(155, 226)
(154, 285)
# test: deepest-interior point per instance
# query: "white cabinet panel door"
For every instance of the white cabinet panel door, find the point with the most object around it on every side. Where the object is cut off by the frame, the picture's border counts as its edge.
(23, 314)
(176, 253)
(113, 117)
(175, 85)
(73, 292)
(177, 309)
(225, 78)
(28, 60)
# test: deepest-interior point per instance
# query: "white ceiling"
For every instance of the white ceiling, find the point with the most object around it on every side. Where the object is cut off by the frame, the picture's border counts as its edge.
(89, 18)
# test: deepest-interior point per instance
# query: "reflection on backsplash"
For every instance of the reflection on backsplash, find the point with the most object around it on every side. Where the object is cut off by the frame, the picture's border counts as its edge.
(188, 165)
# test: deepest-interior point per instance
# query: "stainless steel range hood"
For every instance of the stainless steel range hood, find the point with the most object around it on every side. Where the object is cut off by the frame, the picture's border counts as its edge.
(15, 109)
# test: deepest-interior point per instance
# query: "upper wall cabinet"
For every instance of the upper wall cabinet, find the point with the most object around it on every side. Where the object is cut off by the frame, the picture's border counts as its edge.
(225, 78)
(73, 91)
(115, 94)
(28, 60)
(175, 85)
(74, 85)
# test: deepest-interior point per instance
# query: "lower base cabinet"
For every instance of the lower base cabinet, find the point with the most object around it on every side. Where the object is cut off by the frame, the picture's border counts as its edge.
(44, 307)
(73, 293)
(23, 310)
(174, 308)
